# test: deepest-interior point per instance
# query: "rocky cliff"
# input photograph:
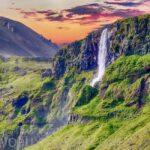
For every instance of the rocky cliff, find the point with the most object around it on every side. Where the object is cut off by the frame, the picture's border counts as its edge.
(128, 37)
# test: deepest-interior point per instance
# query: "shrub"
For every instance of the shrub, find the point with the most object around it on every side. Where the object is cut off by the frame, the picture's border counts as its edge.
(48, 85)
(87, 94)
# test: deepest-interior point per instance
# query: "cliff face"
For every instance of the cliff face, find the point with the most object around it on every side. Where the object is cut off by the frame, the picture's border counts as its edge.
(131, 36)
(81, 54)
(128, 37)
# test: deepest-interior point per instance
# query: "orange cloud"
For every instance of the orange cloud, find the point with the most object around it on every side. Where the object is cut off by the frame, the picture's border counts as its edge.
(75, 23)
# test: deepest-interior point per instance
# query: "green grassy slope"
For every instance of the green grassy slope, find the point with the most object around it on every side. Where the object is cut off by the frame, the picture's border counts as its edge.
(47, 96)
(114, 115)
(116, 118)
(19, 77)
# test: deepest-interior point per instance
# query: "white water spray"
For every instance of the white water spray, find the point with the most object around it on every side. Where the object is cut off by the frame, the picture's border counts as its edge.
(102, 54)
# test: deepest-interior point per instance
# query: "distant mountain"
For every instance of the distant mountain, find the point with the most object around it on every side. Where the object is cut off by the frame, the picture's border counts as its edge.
(17, 39)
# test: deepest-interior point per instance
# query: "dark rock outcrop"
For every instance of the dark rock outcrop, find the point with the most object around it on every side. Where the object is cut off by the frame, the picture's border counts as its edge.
(46, 73)
(20, 101)
(59, 67)
(73, 118)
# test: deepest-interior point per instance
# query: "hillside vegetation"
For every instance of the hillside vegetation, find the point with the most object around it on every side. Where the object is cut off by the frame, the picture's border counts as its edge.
(116, 118)
(51, 104)
(32, 101)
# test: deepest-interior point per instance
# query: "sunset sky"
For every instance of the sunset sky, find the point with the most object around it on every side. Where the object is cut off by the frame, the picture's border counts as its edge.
(65, 21)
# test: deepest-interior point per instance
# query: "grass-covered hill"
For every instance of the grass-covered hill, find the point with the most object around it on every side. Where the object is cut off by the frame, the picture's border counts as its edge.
(20, 81)
(40, 96)
(115, 118)
(33, 104)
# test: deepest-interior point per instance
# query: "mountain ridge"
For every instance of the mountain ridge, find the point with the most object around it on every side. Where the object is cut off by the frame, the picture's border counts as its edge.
(16, 39)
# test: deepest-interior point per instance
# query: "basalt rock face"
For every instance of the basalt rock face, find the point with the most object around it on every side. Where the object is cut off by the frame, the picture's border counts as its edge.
(59, 67)
(128, 37)
(81, 54)
(89, 52)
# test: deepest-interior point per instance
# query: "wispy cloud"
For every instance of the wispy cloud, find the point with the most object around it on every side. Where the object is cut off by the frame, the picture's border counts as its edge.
(86, 9)
(128, 4)
(89, 13)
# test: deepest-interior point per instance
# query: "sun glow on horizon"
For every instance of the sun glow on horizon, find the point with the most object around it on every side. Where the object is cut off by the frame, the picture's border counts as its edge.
(66, 21)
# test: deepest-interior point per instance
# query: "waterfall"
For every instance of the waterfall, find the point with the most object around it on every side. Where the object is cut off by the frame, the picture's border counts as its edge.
(102, 54)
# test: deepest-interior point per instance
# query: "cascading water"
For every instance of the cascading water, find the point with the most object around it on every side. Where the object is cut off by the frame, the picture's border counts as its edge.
(102, 54)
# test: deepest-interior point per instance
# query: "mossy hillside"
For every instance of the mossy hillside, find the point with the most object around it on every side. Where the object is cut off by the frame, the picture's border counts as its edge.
(111, 122)
(114, 134)
(19, 76)
(68, 89)
(126, 67)
(120, 86)
(125, 79)
(87, 94)
(46, 97)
